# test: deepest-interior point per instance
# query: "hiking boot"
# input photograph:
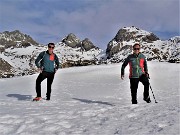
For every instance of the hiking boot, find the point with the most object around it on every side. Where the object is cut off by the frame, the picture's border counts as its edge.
(47, 98)
(148, 100)
(134, 101)
(37, 99)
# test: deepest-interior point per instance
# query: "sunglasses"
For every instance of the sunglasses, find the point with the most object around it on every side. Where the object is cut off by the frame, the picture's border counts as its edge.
(136, 48)
(51, 47)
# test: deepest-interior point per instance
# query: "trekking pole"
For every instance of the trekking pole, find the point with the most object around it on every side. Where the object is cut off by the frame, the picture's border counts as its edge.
(152, 93)
(152, 90)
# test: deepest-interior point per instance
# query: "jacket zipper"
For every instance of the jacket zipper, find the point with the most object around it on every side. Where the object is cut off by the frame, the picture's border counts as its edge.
(137, 66)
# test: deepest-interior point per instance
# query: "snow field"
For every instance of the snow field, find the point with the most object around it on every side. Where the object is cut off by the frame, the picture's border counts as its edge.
(91, 100)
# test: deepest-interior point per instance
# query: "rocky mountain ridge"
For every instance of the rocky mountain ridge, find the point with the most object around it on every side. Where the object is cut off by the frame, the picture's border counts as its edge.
(72, 41)
(75, 52)
(18, 51)
(151, 46)
(15, 39)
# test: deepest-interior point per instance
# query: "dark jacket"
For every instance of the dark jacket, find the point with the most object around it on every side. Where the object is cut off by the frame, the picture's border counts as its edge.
(47, 62)
(137, 65)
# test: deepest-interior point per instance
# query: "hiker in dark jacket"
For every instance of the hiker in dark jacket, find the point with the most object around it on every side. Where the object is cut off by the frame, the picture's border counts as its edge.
(138, 72)
(47, 63)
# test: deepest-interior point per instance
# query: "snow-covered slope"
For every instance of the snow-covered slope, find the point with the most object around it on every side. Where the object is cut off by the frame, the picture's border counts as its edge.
(21, 59)
(153, 48)
(74, 52)
(21, 54)
(92, 100)
(18, 51)
(175, 48)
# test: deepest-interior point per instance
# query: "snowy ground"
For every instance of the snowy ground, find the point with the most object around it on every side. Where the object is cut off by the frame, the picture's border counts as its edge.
(92, 100)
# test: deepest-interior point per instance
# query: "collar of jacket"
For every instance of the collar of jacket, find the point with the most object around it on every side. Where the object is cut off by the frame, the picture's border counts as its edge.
(137, 54)
(49, 53)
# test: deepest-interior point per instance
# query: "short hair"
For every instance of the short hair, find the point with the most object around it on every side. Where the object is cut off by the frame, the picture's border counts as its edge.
(51, 44)
(136, 44)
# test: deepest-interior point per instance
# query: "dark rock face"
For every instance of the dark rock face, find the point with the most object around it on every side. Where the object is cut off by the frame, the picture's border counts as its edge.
(151, 46)
(84, 46)
(128, 35)
(123, 35)
(87, 45)
(2, 49)
(150, 38)
(5, 66)
(15, 38)
(5, 69)
(72, 41)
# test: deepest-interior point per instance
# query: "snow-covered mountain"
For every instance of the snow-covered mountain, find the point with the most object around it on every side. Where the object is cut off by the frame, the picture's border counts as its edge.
(15, 39)
(74, 52)
(21, 60)
(153, 48)
(175, 49)
(18, 52)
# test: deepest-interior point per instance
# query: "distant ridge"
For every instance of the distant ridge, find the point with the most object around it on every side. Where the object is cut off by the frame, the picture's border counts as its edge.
(18, 51)
(153, 48)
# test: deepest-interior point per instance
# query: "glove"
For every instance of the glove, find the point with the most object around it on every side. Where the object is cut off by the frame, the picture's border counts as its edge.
(55, 70)
(147, 75)
(40, 70)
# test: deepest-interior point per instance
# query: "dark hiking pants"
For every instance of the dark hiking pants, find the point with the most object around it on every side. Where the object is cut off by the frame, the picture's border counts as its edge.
(40, 78)
(134, 86)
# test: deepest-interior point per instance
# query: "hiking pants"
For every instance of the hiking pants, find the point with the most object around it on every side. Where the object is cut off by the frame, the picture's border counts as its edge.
(40, 78)
(134, 86)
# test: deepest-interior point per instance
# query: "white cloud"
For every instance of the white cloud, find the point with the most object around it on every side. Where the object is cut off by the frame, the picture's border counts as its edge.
(99, 21)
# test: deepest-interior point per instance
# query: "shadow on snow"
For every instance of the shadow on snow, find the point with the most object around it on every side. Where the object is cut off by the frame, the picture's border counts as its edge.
(20, 97)
(93, 102)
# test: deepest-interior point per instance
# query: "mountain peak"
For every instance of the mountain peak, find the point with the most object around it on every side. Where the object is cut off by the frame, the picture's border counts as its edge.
(9, 39)
(175, 39)
(71, 40)
(87, 44)
(134, 33)
(152, 47)
(16, 31)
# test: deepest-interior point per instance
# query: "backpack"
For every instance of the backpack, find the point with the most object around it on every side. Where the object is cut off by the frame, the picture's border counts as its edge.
(42, 57)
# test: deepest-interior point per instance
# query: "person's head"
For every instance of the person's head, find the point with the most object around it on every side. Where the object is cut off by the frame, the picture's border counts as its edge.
(51, 47)
(136, 48)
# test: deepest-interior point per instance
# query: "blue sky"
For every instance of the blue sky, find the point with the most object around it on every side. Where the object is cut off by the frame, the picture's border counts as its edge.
(99, 20)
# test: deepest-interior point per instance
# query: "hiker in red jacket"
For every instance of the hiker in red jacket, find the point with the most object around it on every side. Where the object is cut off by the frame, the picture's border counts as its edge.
(138, 72)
